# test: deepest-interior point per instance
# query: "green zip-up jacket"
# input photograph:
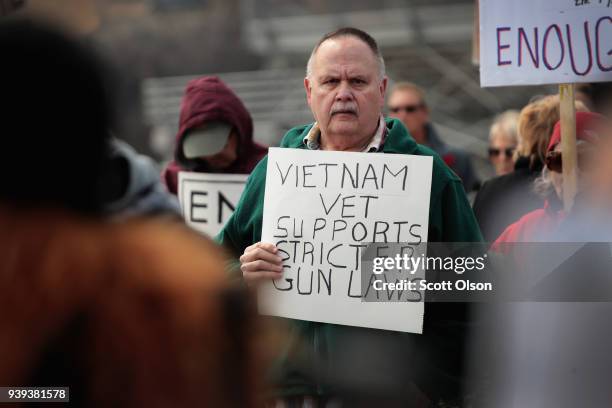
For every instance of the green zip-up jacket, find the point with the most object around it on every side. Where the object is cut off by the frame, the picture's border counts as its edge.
(311, 347)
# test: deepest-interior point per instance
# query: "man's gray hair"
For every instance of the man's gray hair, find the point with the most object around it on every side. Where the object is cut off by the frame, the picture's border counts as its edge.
(350, 32)
(506, 123)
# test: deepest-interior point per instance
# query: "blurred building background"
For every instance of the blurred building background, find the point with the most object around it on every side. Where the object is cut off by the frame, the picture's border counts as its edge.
(260, 48)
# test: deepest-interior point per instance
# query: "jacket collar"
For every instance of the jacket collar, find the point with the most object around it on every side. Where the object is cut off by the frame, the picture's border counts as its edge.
(398, 140)
(312, 139)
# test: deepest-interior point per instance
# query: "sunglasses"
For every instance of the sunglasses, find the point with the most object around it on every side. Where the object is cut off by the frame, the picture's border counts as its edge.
(407, 108)
(554, 161)
(494, 152)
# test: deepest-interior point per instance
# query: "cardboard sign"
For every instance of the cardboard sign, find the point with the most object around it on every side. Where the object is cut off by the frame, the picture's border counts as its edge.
(321, 210)
(528, 42)
(208, 200)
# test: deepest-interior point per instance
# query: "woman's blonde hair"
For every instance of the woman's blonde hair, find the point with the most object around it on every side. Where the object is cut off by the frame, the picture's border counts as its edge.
(535, 125)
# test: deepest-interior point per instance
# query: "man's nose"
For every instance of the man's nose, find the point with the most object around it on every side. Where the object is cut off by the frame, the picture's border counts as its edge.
(344, 93)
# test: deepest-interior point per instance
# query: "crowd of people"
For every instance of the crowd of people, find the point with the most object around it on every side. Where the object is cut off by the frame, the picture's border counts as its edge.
(103, 287)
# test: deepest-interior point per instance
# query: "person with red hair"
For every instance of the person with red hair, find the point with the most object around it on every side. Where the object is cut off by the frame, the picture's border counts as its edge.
(542, 222)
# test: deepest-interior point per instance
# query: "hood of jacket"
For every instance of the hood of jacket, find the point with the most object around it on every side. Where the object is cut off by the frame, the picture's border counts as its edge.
(209, 99)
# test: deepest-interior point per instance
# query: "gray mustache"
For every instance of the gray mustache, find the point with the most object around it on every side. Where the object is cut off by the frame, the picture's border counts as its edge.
(344, 109)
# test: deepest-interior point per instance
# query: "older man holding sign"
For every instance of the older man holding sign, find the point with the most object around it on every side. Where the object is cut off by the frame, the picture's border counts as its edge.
(322, 203)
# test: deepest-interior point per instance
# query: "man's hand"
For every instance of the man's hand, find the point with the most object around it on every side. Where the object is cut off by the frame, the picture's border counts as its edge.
(260, 262)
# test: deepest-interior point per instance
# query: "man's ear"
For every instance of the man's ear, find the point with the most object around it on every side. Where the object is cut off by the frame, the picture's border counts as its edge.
(383, 89)
(308, 89)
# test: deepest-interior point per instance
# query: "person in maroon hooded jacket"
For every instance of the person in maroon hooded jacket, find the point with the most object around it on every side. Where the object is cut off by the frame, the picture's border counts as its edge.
(215, 133)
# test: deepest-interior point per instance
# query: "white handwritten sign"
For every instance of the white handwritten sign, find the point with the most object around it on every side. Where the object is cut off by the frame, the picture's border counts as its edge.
(208, 200)
(526, 42)
(321, 210)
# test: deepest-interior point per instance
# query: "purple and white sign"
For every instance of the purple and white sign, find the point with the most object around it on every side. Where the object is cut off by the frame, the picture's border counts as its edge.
(531, 42)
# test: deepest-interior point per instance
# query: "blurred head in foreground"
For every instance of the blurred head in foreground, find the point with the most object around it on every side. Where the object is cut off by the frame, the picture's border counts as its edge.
(137, 313)
(55, 119)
